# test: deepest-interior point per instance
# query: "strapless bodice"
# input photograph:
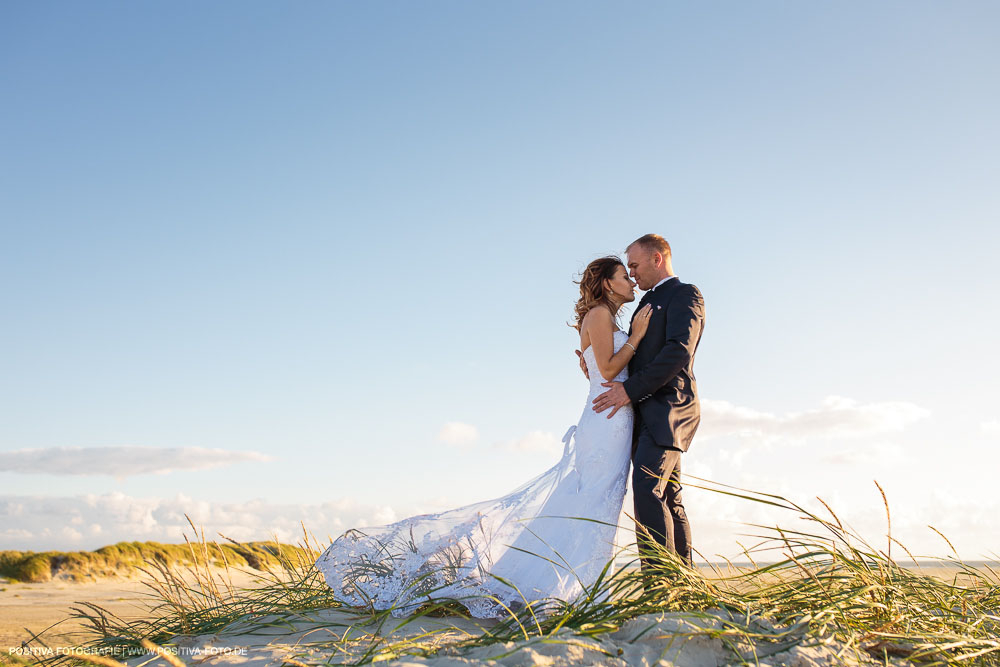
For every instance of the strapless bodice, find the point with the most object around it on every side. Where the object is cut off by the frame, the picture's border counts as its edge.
(595, 374)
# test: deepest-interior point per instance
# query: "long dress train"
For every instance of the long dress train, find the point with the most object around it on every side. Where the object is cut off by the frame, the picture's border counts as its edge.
(548, 538)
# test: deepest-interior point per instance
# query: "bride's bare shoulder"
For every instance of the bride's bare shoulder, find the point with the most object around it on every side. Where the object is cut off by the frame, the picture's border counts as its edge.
(597, 323)
(600, 317)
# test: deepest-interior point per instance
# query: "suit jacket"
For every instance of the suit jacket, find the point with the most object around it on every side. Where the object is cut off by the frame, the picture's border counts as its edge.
(661, 383)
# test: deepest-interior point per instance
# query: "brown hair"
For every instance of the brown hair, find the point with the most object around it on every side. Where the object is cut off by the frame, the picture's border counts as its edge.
(593, 293)
(653, 243)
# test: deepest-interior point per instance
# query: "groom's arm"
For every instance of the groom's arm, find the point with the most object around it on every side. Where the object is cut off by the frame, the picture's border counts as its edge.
(685, 316)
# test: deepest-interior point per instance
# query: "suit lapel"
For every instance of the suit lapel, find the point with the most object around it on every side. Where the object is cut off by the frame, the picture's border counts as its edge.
(661, 293)
(657, 296)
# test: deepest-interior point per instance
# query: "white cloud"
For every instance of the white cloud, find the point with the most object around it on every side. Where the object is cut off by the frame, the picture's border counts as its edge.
(534, 442)
(458, 434)
(91, 521)
(991, 427)
(733, 457)
(865, 455)
(120, 461)
(721, 522)
(381, 516)
(836, 417)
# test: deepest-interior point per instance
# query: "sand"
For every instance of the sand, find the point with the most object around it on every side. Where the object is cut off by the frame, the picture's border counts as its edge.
(47, 607)
(663, 639)
(654, 639)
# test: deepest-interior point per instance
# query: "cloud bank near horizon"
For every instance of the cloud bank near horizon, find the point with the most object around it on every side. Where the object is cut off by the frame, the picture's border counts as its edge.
(90, 521)
(746, 448)
(836, 417)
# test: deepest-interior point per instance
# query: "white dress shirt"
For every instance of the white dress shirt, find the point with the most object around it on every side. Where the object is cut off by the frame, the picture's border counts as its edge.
(661, 282)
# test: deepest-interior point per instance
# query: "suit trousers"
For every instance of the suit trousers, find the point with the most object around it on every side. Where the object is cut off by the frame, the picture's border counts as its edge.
(656, 492)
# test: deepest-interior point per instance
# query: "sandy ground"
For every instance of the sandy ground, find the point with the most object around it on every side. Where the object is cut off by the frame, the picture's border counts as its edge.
(654, 639)
(47, 607)
(649, 640)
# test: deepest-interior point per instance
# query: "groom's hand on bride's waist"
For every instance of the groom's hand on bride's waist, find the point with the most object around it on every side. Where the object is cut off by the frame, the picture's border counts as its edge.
(614, 397)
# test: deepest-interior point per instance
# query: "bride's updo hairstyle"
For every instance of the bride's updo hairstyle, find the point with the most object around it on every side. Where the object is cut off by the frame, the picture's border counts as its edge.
(592, 290)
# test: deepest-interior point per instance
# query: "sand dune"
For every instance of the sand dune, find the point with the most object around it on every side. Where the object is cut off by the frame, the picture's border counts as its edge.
(46, 607)
(652, 639)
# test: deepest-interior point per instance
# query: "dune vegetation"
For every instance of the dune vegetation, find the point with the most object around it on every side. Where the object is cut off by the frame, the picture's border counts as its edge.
(819, 585)
(125, 558)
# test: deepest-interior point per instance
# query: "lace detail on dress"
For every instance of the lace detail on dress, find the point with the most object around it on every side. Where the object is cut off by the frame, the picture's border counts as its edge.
(533, 538)
(619, 337)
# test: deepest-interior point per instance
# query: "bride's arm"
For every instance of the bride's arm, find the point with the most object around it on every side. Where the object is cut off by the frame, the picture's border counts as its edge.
(601, 327)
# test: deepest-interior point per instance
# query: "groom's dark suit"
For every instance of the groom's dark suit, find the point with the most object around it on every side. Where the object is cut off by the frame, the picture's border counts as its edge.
(661, 386)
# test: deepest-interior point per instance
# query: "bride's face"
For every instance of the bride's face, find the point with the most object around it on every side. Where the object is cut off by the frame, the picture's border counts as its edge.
(621, 285)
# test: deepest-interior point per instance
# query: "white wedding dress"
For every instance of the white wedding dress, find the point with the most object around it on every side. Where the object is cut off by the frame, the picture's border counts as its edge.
(549, 538)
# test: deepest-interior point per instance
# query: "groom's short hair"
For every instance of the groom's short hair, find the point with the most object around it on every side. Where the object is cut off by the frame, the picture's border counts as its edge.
(652, 243)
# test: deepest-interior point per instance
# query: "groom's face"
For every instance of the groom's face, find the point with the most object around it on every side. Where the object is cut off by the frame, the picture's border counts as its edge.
(641, 266)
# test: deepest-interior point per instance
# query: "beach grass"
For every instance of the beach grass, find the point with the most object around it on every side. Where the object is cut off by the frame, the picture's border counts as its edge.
(818, 584)
(124, 557)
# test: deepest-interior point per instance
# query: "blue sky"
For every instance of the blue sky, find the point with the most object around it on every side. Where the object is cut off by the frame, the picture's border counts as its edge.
(310, 236)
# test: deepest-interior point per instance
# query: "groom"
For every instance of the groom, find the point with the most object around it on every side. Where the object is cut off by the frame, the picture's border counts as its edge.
(662, 389)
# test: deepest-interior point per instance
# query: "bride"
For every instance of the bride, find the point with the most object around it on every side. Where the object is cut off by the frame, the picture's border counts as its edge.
(548, 538)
